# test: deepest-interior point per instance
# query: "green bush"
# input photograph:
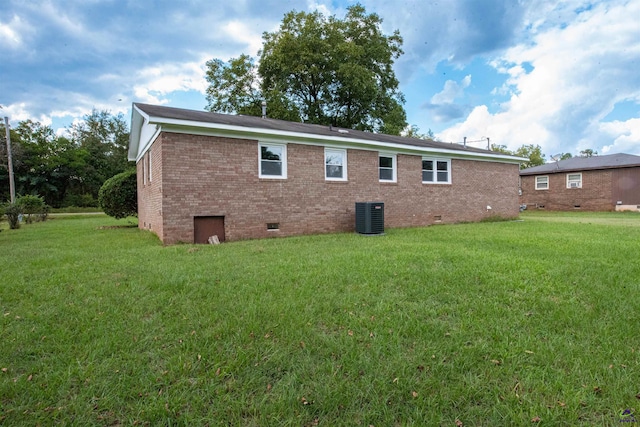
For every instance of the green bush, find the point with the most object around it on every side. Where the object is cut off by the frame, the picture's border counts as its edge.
(33, 207)
(13, 211)
(118, 195)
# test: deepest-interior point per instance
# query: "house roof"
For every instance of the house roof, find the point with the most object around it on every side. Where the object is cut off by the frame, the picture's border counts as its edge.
(574, 164)
(148, 120)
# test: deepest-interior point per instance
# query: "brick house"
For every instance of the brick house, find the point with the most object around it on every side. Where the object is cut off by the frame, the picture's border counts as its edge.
(239, 177)
(599, 183)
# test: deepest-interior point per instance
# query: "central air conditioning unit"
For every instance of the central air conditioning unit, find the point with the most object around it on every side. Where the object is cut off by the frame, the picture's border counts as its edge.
(370, 217)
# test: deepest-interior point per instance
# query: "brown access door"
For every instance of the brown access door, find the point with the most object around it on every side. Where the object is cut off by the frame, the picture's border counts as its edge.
(207, 226)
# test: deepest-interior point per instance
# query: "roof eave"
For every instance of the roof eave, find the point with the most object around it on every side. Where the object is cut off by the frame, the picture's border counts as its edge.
(137, 121)
(187, 126)
(524, 172)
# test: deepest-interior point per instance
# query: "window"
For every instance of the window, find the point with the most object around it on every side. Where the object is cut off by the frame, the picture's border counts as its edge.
(574, 180)
(149, 154)
(542, 182)
(335, 164)
(387, 167)
(436, 171)
(144, 169)
(273, 161)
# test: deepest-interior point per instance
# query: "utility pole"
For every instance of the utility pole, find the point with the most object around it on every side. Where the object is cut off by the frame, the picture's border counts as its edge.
(12, 185)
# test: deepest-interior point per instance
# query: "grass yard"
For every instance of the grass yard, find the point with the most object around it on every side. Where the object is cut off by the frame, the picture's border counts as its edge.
(506, 323)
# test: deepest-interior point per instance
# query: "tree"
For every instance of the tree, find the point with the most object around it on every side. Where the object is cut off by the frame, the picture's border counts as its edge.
(565, 156)
(533, 153)
(319, 70)
(413, 131)
(234, 87)
(102, 140)
(67, 171)
(502, 149)
(118, 196)
(588, 153)
(45, 164)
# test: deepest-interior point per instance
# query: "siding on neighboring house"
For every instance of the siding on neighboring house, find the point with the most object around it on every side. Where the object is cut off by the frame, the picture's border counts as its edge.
(626, 186)
(608, 182)
(194, 175)
(602, 190)
(595, 194)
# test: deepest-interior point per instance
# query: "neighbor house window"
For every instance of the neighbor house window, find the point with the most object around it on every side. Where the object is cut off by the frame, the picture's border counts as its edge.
(436, 171)
(335, 164)
(387, 167)
(574, 180)
(542, 182)
(273, 161)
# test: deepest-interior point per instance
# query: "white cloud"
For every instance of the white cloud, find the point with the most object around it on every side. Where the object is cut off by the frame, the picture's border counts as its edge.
(451, 91)
(625, 136)
(322, 8)
(12, 33)
(170, 77)
(581, 69)
(248, 35)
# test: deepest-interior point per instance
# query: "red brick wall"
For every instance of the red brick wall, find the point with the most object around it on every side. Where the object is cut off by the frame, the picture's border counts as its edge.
(150, 190)
(210, 176)
(595, 194)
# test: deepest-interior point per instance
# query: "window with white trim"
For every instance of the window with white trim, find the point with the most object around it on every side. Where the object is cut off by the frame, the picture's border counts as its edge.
(273, 160)
(150, 175)
(335, 164)
(144, 169)
(436, 171)
(574, 180)
(542, 182)
(387, 167)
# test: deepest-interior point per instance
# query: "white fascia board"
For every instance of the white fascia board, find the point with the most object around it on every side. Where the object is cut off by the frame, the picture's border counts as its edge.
(143, 133)
(270, 135)
(137, 120)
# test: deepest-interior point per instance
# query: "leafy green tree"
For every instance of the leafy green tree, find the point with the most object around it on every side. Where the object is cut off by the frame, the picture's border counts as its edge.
(565, 156)
(44, 163)
(320, 70)
(588, 153)
(66, 171)
(413, 131)
(235, 87)
(102, 141)
(118, 196)
(533, 153)
(501, 149)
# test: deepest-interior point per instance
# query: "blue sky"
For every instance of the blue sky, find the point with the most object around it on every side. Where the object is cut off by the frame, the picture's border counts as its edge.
(561, 74)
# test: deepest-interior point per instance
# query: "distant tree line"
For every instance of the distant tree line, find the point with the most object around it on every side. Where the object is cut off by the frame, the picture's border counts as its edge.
(535, 156)
(65, 170)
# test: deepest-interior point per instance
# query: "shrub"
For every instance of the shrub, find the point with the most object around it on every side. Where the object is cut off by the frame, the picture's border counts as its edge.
(118, 195)
(33, 207)
(13, 212)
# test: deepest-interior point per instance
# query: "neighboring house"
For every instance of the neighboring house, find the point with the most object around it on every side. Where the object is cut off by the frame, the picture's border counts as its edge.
(239, 177)
(598, 183)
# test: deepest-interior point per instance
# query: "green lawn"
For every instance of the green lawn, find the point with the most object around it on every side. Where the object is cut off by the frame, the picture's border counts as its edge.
(502, 323)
